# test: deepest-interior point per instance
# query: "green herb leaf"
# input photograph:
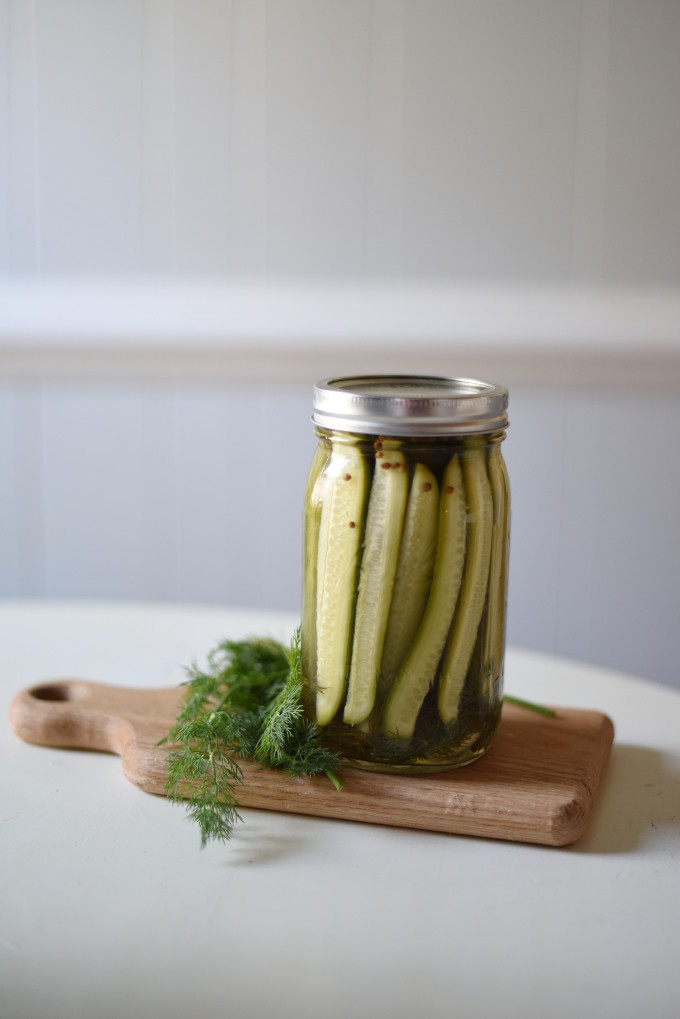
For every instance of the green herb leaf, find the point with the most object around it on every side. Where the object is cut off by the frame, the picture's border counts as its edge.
(246, 704)
(288, 741)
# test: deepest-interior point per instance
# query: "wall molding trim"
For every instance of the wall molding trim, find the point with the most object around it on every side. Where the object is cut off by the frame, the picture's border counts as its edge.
(168, 330)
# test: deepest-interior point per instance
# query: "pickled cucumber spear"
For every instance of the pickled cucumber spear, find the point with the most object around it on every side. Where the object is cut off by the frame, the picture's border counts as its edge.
(414, 570)
(340, 534)
(384, 524)
(314, 495)
(479, 505)
(420, 667)
(493, 642)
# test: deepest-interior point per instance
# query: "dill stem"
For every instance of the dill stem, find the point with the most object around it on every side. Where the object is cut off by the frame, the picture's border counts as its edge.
(530, 706)
(332, 777)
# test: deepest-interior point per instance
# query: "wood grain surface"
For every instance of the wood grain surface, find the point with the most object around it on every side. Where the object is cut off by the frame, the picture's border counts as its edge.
(537, 783)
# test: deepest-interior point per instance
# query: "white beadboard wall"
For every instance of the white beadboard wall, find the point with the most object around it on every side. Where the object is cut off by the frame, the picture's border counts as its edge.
(432, 139)
(205, 205)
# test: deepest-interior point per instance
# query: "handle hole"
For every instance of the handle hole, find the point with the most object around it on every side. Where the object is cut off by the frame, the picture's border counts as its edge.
(53, 692)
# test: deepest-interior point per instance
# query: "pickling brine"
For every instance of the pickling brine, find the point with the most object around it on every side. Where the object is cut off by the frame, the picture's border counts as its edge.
(405, 568)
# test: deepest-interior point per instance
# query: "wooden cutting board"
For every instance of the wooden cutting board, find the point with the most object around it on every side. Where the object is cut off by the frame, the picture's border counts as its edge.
(536, 784)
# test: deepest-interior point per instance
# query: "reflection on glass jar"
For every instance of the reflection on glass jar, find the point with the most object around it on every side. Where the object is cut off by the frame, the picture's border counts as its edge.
(406, 530)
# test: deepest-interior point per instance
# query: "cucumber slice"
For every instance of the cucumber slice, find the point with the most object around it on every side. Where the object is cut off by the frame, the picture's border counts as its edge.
(502, 609)
(384, 524)
(498, 571)
(420, 667)
(313, 504)
(414, 570)
(479, 503)
(340, 533)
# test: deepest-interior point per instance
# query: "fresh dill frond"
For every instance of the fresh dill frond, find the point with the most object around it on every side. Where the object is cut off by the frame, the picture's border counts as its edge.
(246, 704)
(289, 741)
(206, 760)
(244, 675)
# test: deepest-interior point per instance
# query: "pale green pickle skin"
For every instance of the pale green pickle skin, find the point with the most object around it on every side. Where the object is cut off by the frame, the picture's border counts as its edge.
(423, 741)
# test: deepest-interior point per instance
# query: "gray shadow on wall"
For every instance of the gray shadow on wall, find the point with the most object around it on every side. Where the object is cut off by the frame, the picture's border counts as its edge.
(638, 801)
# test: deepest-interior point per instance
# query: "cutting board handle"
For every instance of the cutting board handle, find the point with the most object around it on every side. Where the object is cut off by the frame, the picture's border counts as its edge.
(85, 715)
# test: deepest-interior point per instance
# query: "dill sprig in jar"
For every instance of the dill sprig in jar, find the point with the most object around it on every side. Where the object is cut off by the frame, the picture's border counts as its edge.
(405, 570)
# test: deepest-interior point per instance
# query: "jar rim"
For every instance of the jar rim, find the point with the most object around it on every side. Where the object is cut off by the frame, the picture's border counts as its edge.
(410, 405)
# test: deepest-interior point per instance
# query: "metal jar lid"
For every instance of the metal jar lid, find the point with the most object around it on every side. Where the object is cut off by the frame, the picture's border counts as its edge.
(410, 405)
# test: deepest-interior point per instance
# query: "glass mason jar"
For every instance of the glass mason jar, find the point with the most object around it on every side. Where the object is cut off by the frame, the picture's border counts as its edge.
(405, 569)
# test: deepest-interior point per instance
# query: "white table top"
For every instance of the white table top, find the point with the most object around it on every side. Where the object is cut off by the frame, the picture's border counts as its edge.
(108, 907)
